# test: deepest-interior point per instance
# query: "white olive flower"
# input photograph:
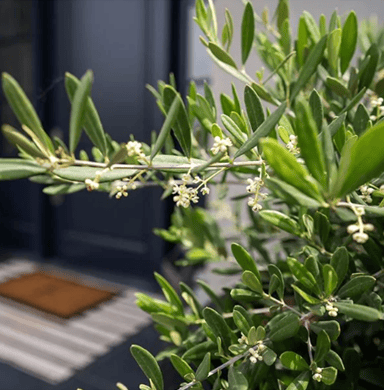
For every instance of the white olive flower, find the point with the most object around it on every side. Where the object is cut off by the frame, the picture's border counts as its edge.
(221, 145)
(292, 144)
(91, 184)
(360, 237)
(366, 193)
(205, 190)
(352, 229)
(332, 310)
(134, 149)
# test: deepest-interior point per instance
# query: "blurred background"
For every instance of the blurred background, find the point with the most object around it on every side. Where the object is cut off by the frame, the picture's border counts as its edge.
(127, 44)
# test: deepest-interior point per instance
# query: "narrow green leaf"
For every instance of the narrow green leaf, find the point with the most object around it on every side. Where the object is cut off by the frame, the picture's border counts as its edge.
(310, 147)
(303, 275)
(166, 128)
(214, 298)
(244, 259)
(300, 382)
(63, 189)
(204, 368)
(149, 365)
(198, 351)
(323, 345)
(229, 67)
(288, 169)
(240, 122)
(218, 326)
(17, 139)
(358, 312)
(333, 47)
(254, 107)
(241, 295)
(236, 379)
(269, 356)
(286, 37)
(316, 108)
(369, 71)
(209, 95)
(251, 281)
(264, 94)
(23, 109)
(247, 32)
(216, 131)
(78, 110)
(281, 220)
(348, 41)
(283, 326)
(363, 163)
(293, 361)
(330, 279)
(356, 286)
(302, 40)
(274, 270)
(92, 123)
(335, 125)
(241, 322)
(290, 193)
(227, 105)
(304, 295)
(329, 375)
(222, 55)
(312, 27)
(323, 25)
(309, 67)
(337, 86)
(335, 360)
(353, 102)
(340, 263)
(263, 130)
(187, 290)
(181, 366)
(282, 13)
(13, 169)
(169, 293)
(322, 226)
(82, 173)
(333, 21)
(229, 22)
(331, 327)
(360, 121)
(181, 127)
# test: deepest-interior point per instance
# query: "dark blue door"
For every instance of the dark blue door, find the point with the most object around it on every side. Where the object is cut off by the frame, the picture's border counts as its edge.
(127, 45)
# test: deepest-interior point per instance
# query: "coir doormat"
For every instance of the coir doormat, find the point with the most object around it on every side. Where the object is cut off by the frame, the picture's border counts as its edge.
(53, 295)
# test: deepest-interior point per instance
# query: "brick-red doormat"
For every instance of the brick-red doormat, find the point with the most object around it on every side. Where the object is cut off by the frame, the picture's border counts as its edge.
(53, 295)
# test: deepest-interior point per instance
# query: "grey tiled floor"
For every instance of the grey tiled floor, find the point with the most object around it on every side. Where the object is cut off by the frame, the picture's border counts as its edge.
(117, 365)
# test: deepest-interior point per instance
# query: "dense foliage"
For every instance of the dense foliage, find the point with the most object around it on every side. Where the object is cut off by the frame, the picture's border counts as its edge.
(308, 315)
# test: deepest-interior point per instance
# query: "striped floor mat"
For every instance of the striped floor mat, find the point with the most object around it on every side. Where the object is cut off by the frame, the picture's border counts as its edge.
(54, 350)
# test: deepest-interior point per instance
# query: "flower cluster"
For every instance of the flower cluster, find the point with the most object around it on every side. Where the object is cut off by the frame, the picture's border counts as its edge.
(185, 195)
(134, 149)
(254, 188)
(332, 310)
(256, 354)
(378, 104)
(358, 229)
(122, 191)
(221, 145)
(93, 184)
(366, 193)
(292, 145)
(317, 376)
